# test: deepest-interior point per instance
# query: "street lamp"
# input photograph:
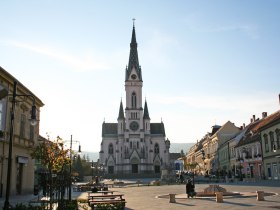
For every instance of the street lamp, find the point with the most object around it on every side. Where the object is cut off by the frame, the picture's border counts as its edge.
(70, 167)
(240, 169)
(203, 158)
(92, 167)
(33, 122)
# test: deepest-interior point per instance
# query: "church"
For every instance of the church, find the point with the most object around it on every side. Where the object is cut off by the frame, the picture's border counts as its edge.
(134, 146)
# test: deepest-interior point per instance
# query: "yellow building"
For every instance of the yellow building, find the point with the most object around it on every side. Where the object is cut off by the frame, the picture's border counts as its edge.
(25, 135)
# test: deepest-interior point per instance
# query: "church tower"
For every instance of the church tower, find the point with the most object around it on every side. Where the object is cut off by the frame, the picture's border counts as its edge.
(133, 89)
(133, 147)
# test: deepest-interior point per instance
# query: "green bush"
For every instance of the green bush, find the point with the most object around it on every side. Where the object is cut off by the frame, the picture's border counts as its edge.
(21, 206)
(117, 206)
(69, 205)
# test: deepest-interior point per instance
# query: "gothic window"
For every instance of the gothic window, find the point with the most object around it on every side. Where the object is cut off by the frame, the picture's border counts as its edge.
(111, 149)
(137, 144)
(271, 136)
(156, 148)
(130, 145)
(266, 143)
(133, 100)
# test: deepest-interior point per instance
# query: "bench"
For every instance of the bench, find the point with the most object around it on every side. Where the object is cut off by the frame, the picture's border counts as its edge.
(96, 201)
(103, 192)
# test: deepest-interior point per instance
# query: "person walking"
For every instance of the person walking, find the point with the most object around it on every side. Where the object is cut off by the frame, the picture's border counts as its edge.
(190, 188)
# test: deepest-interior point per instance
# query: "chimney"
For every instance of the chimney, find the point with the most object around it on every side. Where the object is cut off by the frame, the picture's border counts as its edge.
(254, 118)
(264, 114)
(243, 125)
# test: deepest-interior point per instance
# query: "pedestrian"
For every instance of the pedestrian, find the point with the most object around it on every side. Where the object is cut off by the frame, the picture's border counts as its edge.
(190, 188)
(96, 180)
(181, 177)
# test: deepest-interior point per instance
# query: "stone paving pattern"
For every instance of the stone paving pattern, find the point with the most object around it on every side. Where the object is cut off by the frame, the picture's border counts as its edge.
(156, 197)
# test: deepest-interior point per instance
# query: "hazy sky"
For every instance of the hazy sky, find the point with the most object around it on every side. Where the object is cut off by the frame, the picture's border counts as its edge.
(203, 62)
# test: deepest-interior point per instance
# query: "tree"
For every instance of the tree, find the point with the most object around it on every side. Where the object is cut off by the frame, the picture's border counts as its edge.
(191, 166)
(54, 158)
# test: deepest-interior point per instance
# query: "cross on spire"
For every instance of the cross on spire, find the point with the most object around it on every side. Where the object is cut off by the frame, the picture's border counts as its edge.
(133, 19)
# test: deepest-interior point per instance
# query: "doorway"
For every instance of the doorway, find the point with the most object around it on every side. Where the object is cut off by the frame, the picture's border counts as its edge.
(19, 178)
(134, 168)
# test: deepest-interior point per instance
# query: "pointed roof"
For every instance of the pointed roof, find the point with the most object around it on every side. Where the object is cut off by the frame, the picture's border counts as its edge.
(133, 57)
(121, 113)
(109, 129)
(146, 112)
(157, 129)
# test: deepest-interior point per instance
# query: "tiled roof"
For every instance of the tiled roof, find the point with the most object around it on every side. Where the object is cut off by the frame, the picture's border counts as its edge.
(251, 134)
(109, 128)
(175, 156)
(112, 129)
(269, 119)
(157, 128)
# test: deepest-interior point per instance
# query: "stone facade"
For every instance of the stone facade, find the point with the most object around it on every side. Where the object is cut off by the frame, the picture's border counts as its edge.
(270, 138)
(134, 146)
(24, 139)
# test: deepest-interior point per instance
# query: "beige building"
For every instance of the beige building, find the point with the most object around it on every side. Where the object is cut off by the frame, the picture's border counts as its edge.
(24, 136)
(270, 138)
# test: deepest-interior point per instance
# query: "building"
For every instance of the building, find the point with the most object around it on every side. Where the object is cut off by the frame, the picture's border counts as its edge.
(270, 137)
(134, 146)
(215, 158)
(248, 152)
(24, 137)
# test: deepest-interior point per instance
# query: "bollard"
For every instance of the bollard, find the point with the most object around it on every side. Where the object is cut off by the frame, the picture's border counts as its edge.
(219, 197)
(260, 195)
(172, 198)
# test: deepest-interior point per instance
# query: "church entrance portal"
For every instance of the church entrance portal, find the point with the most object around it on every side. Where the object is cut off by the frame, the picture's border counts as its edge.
(110, 169)
(134, 168)
(157, 169)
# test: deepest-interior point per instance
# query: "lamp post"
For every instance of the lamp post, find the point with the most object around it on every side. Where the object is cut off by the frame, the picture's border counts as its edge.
(70, 167)
(92, 168)
(240, 169)
(203, 158)
(33, 122)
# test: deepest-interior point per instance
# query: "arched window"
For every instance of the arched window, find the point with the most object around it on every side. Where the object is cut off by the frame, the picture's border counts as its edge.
(266, 143)
(272, 143)
(277, 131)
(133, 100)
(156, 148)
(111, 149)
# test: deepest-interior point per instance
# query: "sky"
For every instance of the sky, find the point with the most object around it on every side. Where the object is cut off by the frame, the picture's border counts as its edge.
(203, 62)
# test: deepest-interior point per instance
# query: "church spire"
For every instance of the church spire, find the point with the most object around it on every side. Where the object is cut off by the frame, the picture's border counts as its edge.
(146, 112)
(133, 57)
(121, 113)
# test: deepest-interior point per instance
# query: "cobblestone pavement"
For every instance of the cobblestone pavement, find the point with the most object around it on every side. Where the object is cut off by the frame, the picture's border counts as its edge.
(147, 197)
(157, 197)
